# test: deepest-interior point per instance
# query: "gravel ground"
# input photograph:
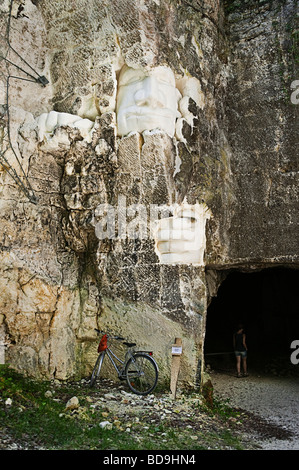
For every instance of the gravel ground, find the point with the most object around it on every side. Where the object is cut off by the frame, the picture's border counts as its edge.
(268, 404)
(116, 408)
(274, 399)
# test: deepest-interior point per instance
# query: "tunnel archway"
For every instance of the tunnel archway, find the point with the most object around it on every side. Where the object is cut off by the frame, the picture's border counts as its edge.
(267, 303)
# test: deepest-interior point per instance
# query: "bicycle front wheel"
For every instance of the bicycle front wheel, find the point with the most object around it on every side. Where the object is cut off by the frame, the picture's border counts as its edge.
(141, 374)
(97, 369)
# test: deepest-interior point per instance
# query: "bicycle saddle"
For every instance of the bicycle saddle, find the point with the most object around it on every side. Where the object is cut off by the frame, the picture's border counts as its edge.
(130, 345)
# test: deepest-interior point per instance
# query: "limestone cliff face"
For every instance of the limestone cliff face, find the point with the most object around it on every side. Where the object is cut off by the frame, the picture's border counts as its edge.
(234, 151)
(261, 130)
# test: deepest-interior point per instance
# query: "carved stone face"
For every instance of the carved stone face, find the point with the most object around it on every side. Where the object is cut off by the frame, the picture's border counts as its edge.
(146, 100)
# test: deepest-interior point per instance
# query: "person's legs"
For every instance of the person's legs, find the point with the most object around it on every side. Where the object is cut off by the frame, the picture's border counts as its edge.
(238, 359)
(244, 363)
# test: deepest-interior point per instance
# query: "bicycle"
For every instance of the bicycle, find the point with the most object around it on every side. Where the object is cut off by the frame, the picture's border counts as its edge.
(138, 368)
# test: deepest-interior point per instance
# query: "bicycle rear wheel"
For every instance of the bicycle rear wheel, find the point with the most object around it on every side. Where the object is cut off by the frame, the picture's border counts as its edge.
(141, 373)
(97, 369)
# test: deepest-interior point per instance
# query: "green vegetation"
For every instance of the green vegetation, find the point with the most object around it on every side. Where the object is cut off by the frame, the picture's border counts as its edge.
(34, 415)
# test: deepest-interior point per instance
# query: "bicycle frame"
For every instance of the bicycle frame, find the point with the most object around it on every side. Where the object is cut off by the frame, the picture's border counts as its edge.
(120, 371)
(129, 355)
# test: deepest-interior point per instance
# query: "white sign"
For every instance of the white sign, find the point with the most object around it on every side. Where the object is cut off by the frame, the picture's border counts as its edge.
(176, 350)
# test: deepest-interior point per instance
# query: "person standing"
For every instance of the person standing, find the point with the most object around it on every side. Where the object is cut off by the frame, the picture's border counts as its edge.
(240, 349)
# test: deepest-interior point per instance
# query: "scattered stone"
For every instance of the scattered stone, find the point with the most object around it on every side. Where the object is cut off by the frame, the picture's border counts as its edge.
(72, 404)
(105, 425)
(110, 396)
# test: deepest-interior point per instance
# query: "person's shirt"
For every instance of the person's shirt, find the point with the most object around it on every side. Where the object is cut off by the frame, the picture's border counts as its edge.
(239, 346)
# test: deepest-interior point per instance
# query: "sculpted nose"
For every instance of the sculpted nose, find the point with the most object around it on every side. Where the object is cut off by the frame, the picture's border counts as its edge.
(148, 95)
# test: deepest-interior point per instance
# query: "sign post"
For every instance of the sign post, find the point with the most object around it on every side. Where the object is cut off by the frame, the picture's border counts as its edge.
(2, 344)
(176, 351)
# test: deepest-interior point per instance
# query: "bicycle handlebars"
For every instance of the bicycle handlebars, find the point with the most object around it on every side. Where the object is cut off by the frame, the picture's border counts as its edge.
(109, 336)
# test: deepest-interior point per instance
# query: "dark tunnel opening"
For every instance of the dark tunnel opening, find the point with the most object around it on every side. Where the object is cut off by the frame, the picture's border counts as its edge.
(267, 303)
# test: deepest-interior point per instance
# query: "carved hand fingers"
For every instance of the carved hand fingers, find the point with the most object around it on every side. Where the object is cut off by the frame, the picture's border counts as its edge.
(177, 239)
(47, 123)
(181, 239)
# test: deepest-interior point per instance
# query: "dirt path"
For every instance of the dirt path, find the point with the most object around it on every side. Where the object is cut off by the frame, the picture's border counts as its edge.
(272, 398)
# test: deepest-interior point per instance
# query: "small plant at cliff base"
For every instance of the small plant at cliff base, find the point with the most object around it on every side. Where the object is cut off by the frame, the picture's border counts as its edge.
(215, 405)
(223, 408)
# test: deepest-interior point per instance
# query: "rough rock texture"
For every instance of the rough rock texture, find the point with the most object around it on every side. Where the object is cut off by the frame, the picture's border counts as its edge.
(236, 154)
(261, 130)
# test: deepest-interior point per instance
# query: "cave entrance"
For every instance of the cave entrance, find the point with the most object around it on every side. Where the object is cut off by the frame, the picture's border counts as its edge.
(267, 303)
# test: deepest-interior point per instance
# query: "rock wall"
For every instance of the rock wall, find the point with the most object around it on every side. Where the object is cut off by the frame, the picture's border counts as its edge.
(261, 129)
(234, 151)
